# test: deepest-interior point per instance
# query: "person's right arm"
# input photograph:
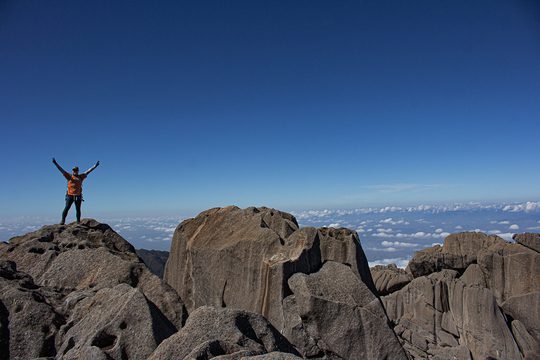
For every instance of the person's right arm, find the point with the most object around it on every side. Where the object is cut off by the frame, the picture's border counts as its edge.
(64, 172)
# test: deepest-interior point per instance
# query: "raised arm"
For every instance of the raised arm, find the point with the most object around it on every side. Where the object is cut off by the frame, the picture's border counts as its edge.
(64, 172)
(91, 169)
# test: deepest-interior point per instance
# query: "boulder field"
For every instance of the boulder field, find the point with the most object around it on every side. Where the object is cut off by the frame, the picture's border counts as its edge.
(251, 284)
(475, 297)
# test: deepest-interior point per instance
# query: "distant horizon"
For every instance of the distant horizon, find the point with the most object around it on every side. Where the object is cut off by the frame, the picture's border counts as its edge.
(530, 205)
(389, 234)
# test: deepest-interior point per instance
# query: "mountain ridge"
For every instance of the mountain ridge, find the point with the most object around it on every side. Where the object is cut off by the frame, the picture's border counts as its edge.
(256, 267)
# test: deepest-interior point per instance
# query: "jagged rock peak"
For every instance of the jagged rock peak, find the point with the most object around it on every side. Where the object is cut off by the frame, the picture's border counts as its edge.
(530, 240)
(225, 252)
(459, 251)
(476, 297)
(389, 278)
(89, 233)
(88, 256)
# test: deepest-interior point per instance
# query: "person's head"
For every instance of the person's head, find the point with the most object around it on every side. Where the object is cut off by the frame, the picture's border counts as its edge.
(75, 170)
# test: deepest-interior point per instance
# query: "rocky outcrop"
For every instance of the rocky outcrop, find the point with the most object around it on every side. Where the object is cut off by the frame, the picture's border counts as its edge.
(272, 356)
(259, 287)
(225, 333)
(28, 321)
(228, 251)
(312, 284)
(530, 240)
(459, 251)
(155, 260)
(89, 255)
(80, 291)
(120, 321)
(332, 314)
(477, 296)
(389, 278)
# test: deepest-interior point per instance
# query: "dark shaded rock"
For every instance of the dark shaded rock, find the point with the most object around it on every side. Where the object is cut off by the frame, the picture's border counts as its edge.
(389, 278)
(529, 347)
(332, 313)
(530, 240)
(155, 260)
(526, 309)
(28, 322)
(225, 333)
(119, 321)
(88, 256)
(272, 356)
(459, 251)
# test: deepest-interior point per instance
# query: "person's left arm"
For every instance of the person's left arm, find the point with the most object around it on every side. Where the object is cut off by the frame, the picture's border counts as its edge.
(91, 169)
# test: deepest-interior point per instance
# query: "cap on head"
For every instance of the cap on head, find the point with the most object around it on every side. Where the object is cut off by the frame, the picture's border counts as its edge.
(76, 168)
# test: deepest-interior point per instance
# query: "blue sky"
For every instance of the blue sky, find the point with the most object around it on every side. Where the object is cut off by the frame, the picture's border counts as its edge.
(298, 104)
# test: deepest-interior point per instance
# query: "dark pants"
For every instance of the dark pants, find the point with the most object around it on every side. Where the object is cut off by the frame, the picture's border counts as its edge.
(70, 199)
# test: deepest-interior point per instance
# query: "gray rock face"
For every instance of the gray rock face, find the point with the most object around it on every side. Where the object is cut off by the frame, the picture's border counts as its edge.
(335, 315)
(459, 251)
(28, 322)
(81, 292)
(477, 293)
(342, 246)
(155, 260)
(92, 298)
(225, 252)
(92, 256)
(389, 278)
(226, 334)
(530, 240)
(272, 356)
(120, 321)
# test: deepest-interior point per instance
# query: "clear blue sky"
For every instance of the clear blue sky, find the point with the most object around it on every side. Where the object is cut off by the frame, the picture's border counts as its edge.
(291, 104)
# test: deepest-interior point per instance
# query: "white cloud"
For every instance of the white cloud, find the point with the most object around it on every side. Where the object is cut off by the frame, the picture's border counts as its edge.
(334, 225)
(504, 222)
(533, 228)
(439, 230)
(167, 229)
(514, 227)
(391, 221)
(435, 244)
(494, 232)
(459, 227)
(441, 235)
(315, 215)
(524, 207)
(400, 262)
(506, 236)
(398, 244)
(416, 235)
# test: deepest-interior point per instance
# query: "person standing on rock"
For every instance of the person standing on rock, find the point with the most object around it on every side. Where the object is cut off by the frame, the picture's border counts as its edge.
(74, 190)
